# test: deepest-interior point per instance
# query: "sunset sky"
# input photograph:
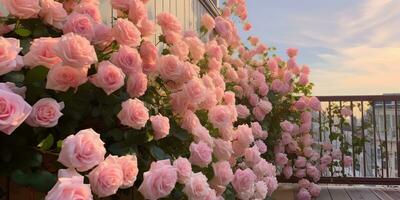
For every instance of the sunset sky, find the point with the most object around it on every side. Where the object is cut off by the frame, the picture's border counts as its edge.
(352, 46)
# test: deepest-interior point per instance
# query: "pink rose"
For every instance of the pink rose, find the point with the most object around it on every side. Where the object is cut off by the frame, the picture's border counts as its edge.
(315, 104)
(184, 169)
(75, 51)
(223, 28)
(337, 154)
(253, 40)
(128, 59)
(53, 13)
(107, 177)
(281, 159)
(133, 114)
(301, 104)
(261, 190)
(346, 112)
(11, 87)
(129, 166)
(200, 154)
(303, 194)
(70, 188)
(286, 126)
(45, 113)
(272, 184)
(314, 190)
(41, 52)
(222, 149)
(137, 84)
(80, 24)
(82, 151)
(220, 116)
(303, 79)
(168, 23)
(13, 110)
(120, 4)
(137, 11)
(243, 111)
(300, 162)
(90, 9)
(287, 171)
(257, 131)
(207, 22)
(61, 78)
(252, 156)
(223, 174)
(9, 58)
(244, 135)
(264, 168)
(160, 125)
(195, 90)
(196, 48)
(190, 121)
(126, 33)
(148, 52)
(23, 9)
(146, 27)
(326, 160)
(159, 181)
(180, 49)
(197, 187)
(313, 172)
(170, 68)
(262, 147)
(303, 183)
(102, 36)
(243, 183)
(292, 52)
(108, 77)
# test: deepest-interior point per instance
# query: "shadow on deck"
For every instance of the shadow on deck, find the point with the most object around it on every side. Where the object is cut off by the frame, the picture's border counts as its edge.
(343, 192)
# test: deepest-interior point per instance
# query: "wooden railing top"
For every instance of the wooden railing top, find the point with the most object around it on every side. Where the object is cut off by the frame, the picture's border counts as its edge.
(389, 97)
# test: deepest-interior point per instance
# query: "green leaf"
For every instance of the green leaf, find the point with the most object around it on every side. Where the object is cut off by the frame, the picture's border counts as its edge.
(158, 153)
(23, 32)
(46, 143)
(38, 73)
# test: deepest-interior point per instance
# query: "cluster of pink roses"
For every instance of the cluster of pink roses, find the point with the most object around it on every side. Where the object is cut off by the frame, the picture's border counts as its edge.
(82, 152)
(219, 76)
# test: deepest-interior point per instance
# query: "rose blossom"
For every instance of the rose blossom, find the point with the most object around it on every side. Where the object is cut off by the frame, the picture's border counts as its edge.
(120, 4)
(23, 9)
(184, 169)
(281, 159)
(180, 49)
(41, 52)
(159, 181)
(82, 151)
(347, 161)
(128, 59)
(45, 113)
(315, 104)
(13, 110)
(303, 194)
(90, 9)
(200, 154)
(257, 131)
(292, 52)
(223, 174)
(261, 190)
(11, 87)
(107, 177)
(222, 149)
(244, 135)
(146, 27)
(80, 24)
(108, 77)
(160, 125)
(133, 114)
(287, 171)
(126, 33)
(168, 23)
(196, 48)
(243, 183)
(264, 168)
(207, 22)
(252, 156)
(345, 112)
(102, 36)
(220, 116)
(61, 78)
(129, 168)
(314, 190)
(243, 111)
(9, 58)
(75, 51)
(303, 183)
(148, 52)
(170, 68)
(53, 13)
(71, 187)
(195, 90)
(197, 187)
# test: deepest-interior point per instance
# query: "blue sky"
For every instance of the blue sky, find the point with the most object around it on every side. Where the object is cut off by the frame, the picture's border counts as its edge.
(351, 46)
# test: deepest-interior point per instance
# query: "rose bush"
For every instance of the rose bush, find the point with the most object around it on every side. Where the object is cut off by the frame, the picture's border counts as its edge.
(207, 118)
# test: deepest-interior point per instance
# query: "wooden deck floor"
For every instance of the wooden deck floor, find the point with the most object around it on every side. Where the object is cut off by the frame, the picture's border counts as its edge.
(346, 192)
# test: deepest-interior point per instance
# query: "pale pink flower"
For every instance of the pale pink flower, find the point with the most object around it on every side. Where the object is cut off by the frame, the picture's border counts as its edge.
(252, 156)
(287, 171)
(129, 166)
(207, 22)
(137, 11)
(292, 52)
(146, 27)
(148, 52)
(53, 13)
(136, 85)
(160, 125)
(314, 190)
(126, 33)
(107, 177)
(261, 190)
(80, 24)
(244, 135)
(184, 169)
(61, 78)
(170, 68)
(90, 9)
(133, 114)
(257, 131)
(243, 111)
(159, 181)
(72, 187)
(222, 149)
(45, 113)
(9, 58)
(315, 104)
(196, 187)
(223, 174)
(347, 161)
(286, 126)
(120, 4)
(243, 183)
(262, 147)
(108, 77)
(196, 48)
(200, 154)
(281, 159)
(168, 23)
(195, 90)
(41, 52)
(75, 51)
(23, 9)
(346, 112)
(303, 183)
(300, 162)
(303, 194)
(82, 151)
(128, 59)
(220, 116)
(102, 36)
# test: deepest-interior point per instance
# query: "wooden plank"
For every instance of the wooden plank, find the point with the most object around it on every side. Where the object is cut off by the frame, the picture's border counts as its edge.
(324, 195)
(381, 194)
(18, 192)
(152, 15)
(338, 193)
(284, 192)
(361, 194)
(180, 14)
(173, 7)
(166, 7)
(158, 7)
(393, 193)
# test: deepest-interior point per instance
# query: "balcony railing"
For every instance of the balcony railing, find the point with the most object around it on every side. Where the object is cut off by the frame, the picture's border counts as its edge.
(370, 135)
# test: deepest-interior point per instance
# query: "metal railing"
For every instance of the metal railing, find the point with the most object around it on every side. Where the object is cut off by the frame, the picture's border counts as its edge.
(370, 135)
